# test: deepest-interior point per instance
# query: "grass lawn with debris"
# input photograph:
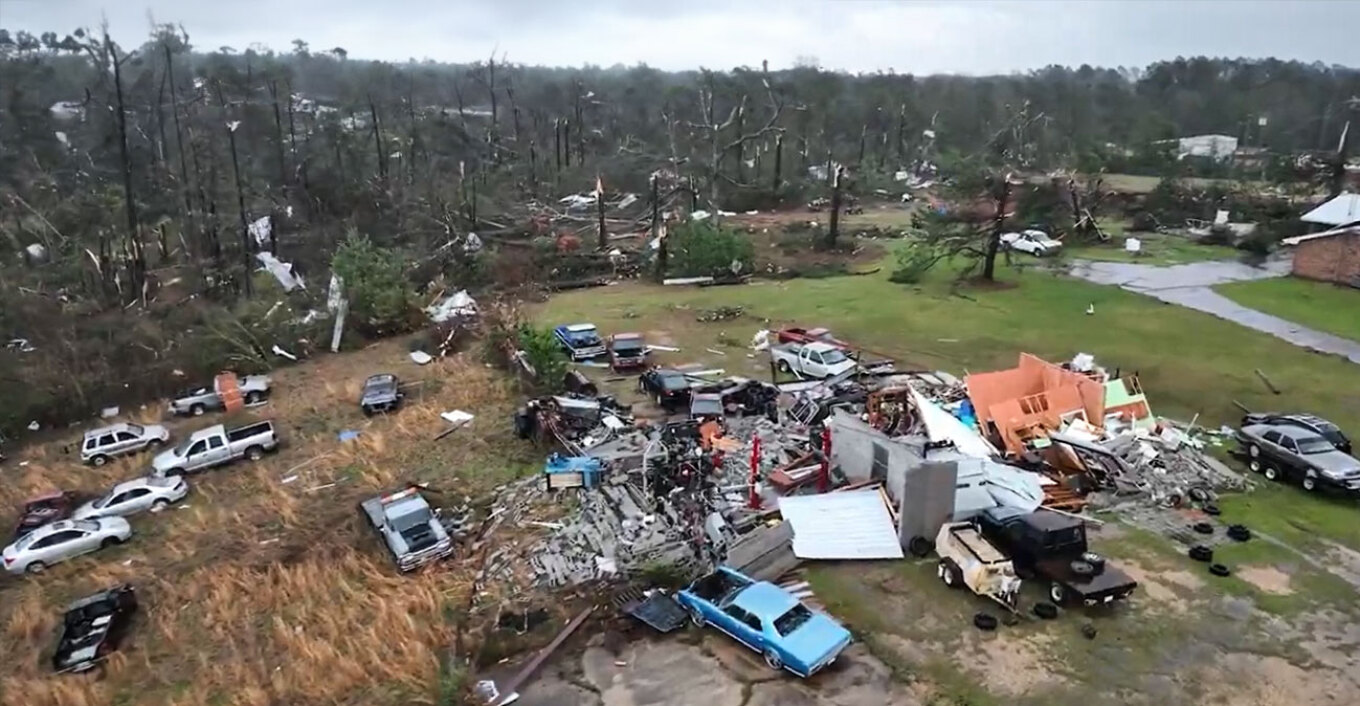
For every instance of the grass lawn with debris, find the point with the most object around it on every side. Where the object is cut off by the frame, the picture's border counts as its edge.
(1318, 305)
(1157, 249)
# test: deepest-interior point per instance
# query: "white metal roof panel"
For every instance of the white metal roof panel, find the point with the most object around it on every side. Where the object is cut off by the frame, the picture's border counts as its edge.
(851, 525)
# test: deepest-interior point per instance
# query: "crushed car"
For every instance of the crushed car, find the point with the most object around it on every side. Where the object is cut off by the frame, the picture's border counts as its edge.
(767, 619)
(99, 446)
(381, 393)
(580, 341)
(42, 509)
(93, 628)
(198, 401)
(1285, 450)
(408, 527)
(215, 446)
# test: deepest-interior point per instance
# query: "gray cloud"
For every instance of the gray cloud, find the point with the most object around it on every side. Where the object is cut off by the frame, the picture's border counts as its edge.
(958, 36)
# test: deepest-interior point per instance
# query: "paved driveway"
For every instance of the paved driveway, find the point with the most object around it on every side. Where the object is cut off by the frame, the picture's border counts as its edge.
(1190, 285)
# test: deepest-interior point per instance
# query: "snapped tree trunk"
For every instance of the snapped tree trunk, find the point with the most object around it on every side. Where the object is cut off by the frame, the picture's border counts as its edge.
(179, 141)
(278, 138)
(656, 229)
(835, 228)
(566, 143)
(557, 144)
(863, 131)
(231, 126)
(580, 129)
(998, 223)
(378, 141)
(599, 207)
(778, 159)
(138, 266)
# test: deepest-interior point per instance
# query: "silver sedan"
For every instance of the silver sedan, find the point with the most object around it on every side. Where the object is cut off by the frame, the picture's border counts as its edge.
(63, 540)
(134, 496)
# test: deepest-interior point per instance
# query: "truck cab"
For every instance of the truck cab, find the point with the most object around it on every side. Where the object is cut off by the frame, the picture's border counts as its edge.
(1052, 547)
(812, 360)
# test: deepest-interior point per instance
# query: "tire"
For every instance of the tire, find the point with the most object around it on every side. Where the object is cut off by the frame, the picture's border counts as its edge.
(197, 410)
(1057, 594)
(253, 398)
(1270, 472)
(696, 617)
(1045, 611)
(920, 547)
(1199, 552)
(1239, 533)
(784, 367)
(1096, 561)
(109, 542)
(1254, 451)
(35, 567)
(1203, 528)
(1255, 465)
(949, 574)
(773, 662)
(657, 400)
(1219, 570)
(985, 621)
(1309, 483)
(155, 444)
(98, 461)
(1082, 568)
(160, 505)
(1212, 510)
(254, 453)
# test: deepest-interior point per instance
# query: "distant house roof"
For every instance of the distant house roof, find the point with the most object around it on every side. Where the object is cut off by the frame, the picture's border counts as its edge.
(1342, 210)
(1347, 230)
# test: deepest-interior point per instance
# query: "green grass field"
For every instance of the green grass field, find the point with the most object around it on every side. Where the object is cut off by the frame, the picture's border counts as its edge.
(1158, 249)
(1325, 307)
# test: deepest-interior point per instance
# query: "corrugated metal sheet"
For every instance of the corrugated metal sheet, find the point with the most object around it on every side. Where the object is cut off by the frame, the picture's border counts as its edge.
(1342, 210)
(853, 525)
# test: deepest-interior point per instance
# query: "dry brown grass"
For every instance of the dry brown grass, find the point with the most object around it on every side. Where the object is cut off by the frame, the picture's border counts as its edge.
(259, 592)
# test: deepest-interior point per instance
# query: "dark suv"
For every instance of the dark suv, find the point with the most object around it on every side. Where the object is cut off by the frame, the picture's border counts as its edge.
(1052, 548)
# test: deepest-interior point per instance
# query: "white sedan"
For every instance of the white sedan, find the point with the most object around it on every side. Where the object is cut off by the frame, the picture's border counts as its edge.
(1034, 242)
(134, 496)
(63, 540)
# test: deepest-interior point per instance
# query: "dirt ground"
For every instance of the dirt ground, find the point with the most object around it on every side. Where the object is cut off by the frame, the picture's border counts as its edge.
(263, 586)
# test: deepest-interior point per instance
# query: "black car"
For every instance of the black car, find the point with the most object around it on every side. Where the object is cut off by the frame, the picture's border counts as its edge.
(1052, 547)
(1315, 424)
(382, 393)
(93, 627)
(669, 389)
(1301, 455)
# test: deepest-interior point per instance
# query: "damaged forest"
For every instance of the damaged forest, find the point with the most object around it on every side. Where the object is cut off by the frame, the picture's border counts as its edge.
(920, 389)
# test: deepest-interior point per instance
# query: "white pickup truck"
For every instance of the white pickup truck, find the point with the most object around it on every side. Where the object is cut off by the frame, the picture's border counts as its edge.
(811, 360)
(215, 446)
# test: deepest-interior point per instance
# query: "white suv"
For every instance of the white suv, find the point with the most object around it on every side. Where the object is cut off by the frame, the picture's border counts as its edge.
(101, 445)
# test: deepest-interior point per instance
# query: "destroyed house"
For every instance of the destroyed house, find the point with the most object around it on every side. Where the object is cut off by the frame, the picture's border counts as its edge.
(1024, 403)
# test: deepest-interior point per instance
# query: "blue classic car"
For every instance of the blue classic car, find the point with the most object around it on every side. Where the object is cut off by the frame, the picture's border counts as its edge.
(767, 619)
(581, 341)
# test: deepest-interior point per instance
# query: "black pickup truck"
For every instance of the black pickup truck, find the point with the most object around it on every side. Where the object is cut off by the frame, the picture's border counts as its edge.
(1052, 547)
(93, 627)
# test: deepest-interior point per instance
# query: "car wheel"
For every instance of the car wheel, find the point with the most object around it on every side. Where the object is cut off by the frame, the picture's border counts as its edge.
(254, 453)
(1270, 473)
(1309, 484)
(696, 617)
(36, 567)
(1057, 594)
(253, 398)
(155, 444)
(197, 410)
(1254, 465)
(160, 505)
(109, 542)
(99, 460)
(784, 367)
(657, 400)
(773, 661)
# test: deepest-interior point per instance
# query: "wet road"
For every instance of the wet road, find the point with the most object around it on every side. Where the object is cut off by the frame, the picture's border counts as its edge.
(1191, 285)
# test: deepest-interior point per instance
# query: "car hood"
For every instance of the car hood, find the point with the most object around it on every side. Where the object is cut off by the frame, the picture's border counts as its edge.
(114, 524)
(156, 431)
(1335, 463)
(165, 460)
(815, 639)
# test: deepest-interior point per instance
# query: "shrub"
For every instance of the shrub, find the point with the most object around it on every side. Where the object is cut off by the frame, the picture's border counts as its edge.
(914, 260)
(544, 354)
(379, 295)
(705, 249)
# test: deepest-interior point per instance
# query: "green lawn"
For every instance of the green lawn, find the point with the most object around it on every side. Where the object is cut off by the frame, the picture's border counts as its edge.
(1158, 249)
(1325, 307)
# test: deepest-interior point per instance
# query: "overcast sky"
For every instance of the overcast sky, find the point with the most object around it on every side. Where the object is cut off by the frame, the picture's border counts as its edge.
(929, 36)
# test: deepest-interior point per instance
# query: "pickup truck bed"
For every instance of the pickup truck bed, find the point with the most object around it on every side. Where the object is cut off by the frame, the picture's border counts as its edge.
(1106, 583)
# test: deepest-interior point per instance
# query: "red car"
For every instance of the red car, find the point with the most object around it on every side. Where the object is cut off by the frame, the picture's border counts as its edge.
(794, 334)
(627, 350)
(43, 509)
